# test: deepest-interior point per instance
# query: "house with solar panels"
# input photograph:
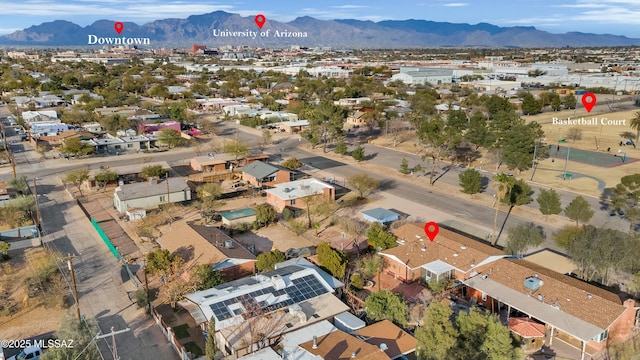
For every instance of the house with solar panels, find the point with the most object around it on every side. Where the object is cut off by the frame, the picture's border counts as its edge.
(256, 311)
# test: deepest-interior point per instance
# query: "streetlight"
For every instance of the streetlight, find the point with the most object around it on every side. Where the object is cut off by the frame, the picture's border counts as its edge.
(624, 155)
(566, 162)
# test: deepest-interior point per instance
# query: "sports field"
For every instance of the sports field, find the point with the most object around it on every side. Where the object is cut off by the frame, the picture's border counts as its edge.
(602, 159)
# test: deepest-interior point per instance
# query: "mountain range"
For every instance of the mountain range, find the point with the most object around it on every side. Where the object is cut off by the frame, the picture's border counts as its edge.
(348, 33)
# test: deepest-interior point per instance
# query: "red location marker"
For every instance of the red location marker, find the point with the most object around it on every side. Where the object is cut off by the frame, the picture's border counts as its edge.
(589, 101)
(119, 27)
(260, 20)
(431, 229)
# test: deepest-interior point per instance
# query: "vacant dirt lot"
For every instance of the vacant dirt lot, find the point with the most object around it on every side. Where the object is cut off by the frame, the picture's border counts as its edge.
(31, 317)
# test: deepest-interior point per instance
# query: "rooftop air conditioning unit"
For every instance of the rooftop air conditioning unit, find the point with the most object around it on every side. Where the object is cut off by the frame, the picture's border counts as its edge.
(532, 283)
(228, 244)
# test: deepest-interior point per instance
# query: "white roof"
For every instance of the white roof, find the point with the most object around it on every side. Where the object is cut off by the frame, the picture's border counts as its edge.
(263, 354)
(299, 189)
(272, 289)
(292, 340)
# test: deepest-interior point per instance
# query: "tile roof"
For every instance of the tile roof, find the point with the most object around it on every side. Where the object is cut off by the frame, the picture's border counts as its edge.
(526, 327)
(452, 248)
(385, 332)
(339, 345)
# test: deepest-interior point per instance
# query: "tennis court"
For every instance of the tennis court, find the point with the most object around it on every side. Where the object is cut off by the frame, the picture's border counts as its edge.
(603, 159)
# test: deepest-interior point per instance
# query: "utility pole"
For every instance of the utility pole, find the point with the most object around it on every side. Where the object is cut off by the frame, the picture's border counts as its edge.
(113, 340)
(35, 195)
(73, 283)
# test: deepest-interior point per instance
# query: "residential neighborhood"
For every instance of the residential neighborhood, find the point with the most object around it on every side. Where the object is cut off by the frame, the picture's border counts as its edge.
(263, 203)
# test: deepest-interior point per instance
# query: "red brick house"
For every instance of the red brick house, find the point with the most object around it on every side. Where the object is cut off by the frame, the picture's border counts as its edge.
(261, 174)
(569, 308)
(450, 255)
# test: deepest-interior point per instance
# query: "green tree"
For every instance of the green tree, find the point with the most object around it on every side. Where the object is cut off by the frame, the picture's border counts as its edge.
(357, 282)
(237, 149)
(518, 145)
(387, 305)
(77, 177)
(76, 147)
(635, 124)
(358, 153)
(437, 336)
(4, 249)
(549, 202)
(498, 344)
(106, 176)
(203, 277)
(363, 184)
(325, 123)
(162, 262)
(332, 259)
(530, 105)
(626, 197)
(210, 342)
(156, 171)
(569, 101)
(519, 194)
(556, 103)
(377, 237)
(404, 167)
(471, 181)
(579, 210)
(267, 261)
(170, 137)
(565, 236)
(84, 346)
(265, 214)
(479, 133)
(292, 163)
(523, 237)
(341, 147)
(369, 265)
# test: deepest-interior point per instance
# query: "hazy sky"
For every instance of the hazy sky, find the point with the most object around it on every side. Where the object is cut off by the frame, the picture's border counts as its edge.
(619, 17)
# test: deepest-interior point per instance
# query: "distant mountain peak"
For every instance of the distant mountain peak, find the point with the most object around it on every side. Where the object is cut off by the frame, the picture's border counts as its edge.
(340, 33)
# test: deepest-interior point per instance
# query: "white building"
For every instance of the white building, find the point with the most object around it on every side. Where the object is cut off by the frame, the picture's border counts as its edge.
(151, 194)
(423, 75)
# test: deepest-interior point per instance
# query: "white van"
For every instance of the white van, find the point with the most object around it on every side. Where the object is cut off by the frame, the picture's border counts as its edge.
(30, 353)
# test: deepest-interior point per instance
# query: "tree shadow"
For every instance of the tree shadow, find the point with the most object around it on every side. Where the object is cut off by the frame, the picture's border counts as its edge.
(185, 252)
(445, 169)
(504, 223)
(370, 156)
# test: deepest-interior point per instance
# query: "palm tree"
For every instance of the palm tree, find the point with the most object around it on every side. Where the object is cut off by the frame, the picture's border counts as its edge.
(635, 124)
(502, 183)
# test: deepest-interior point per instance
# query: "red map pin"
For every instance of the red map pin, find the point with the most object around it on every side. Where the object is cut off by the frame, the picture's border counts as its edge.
(431, 229)
(589, 101)
(119, 27)
(260, 20)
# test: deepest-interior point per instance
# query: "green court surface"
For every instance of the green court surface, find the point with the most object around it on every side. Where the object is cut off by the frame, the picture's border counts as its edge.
(603, 158)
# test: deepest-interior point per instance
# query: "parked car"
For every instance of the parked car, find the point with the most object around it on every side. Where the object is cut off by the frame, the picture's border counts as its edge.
(30, 353)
